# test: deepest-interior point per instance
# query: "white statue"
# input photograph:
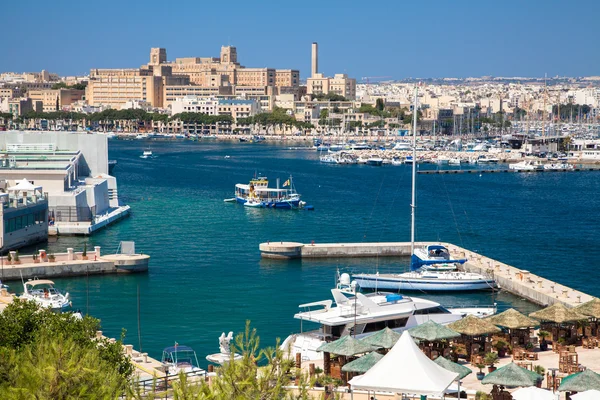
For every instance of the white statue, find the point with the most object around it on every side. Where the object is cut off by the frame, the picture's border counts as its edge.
(224, 343)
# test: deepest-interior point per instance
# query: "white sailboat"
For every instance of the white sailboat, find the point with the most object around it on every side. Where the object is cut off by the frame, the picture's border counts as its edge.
(424, 275)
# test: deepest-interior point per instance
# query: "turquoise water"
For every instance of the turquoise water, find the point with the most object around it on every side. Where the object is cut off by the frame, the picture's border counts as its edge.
(206, 275)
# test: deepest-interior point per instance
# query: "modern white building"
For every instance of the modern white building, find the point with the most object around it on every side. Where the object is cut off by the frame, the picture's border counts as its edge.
(195, 104)
(73, 169)
(23, 215)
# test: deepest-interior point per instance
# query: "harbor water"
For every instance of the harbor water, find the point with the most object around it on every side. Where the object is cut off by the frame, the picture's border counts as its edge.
(206, 275)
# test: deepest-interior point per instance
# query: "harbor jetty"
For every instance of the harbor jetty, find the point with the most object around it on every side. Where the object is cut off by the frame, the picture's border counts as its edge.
(520, 282)
(71, 263)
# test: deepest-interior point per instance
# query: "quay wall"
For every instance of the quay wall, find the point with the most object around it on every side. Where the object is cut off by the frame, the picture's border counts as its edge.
(520, 282)
(70, 264)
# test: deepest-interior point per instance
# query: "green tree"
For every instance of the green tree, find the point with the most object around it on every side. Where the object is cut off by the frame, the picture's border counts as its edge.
(23, 324)
(324, 114)
(244, 379)
(380, 105)
(57, 367)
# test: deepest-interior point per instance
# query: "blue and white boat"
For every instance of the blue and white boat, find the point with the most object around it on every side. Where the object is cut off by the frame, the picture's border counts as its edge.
(424, 275)
(258, 194)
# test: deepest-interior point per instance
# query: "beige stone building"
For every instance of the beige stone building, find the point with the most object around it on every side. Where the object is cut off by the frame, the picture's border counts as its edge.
(318, 83)
(56, 99)
(161, 82)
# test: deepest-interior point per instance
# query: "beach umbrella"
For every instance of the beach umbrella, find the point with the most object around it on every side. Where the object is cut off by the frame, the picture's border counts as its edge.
(580, 382)
(346, 346)
(431, 331)
(363, 364)
(473, 326)
(461, 370)
(533, 393)
(587, 395)
(385, 338)
(512, 319)
(558, 313)
(591, 308)
(511, 375)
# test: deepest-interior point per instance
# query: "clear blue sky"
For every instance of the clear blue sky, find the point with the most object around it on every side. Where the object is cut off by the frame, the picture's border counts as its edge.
(368, 38)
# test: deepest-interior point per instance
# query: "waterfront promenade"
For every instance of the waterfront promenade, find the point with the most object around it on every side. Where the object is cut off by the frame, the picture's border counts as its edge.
(520, 282)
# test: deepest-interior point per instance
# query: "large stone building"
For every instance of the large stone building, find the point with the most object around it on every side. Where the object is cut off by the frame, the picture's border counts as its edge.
(56, 99)
(161, 82)
(318, 83)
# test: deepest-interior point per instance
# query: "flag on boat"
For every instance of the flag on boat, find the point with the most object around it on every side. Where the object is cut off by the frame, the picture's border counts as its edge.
(286, 183)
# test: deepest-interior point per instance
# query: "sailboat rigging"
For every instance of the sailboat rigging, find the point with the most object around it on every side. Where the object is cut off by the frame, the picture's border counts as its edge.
(432, 268)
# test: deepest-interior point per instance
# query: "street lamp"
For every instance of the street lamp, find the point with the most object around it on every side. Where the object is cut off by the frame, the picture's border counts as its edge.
(553, 370)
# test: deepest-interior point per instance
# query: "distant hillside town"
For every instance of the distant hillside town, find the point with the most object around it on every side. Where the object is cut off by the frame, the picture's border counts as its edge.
(218, 95)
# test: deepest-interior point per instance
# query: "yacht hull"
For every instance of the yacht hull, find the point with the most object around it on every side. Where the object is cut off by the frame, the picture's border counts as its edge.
(427, 285)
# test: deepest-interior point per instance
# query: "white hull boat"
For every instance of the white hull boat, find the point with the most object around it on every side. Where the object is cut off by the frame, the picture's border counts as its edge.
(43, 292)
(363, 314)
(420, 277)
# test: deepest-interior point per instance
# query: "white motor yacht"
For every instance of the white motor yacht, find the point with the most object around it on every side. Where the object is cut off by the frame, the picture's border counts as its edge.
(43, 292)
(362, 314)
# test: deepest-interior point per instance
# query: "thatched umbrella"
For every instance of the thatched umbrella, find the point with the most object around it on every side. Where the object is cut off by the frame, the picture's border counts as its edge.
(461, 370)
(558, 313)
(512, 319)
(431, 331)
(384, 339)
(511, 375)
(580, 382)
(591, 308)
(363, 364)
(473, 326)
(346, 346)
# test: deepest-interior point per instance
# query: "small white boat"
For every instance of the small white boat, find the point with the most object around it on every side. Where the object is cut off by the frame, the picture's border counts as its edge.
(146, 154)
(180, 358)
(455, 161)
(375, 161)
(254, 203)
(43, 292)
(396, 162)
(558, 167)
(527, 166)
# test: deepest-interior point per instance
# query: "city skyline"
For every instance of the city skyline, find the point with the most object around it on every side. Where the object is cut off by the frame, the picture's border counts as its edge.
(451, 40)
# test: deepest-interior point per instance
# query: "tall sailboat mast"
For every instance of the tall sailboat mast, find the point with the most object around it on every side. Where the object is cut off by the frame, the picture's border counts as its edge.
(413, 204)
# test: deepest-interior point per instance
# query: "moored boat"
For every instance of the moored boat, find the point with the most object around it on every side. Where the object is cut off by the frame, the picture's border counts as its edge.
(43, 292)
(419, 278)
(361, 314)
(181, 359)
(527, 166)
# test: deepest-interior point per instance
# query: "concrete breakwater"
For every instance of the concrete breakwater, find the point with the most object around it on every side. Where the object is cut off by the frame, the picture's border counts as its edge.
(520, 282)
(70, 264)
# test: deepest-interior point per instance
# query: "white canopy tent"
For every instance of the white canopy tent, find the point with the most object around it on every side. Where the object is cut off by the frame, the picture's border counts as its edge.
(405, 369)
(533, 393)
(587, 395)
(24, 186)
